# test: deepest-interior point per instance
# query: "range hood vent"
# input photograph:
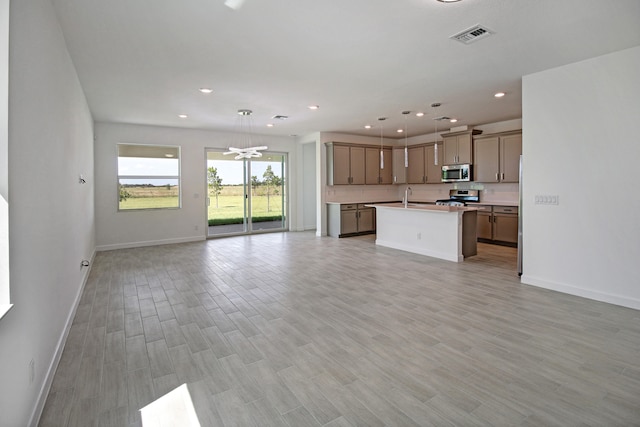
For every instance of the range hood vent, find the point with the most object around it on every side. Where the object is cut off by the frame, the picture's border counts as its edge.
(472, 34)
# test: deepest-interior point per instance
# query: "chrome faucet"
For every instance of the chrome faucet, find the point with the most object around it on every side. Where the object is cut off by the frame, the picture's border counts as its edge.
(407, 191)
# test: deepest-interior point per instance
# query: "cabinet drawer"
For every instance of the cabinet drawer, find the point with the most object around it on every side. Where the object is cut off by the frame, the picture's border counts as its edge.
(505, 209)
(348, 207)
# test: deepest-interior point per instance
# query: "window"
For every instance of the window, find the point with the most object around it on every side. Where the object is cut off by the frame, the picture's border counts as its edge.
(148, 177)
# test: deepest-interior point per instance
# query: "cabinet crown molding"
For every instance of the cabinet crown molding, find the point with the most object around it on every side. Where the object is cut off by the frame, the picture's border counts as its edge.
(463, 132)
(498, 134)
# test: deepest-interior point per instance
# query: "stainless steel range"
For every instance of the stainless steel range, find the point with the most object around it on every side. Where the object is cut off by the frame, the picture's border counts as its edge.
(460, 198)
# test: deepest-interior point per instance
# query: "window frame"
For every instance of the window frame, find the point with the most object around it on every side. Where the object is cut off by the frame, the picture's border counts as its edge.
(150, 147)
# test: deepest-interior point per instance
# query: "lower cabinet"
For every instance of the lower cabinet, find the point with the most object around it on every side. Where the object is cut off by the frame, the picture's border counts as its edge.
(351, 219)
(498, 224)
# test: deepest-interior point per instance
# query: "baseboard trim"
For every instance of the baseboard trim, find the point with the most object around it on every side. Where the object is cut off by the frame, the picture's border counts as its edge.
(36, 414)
(130, 245)
(580, 292)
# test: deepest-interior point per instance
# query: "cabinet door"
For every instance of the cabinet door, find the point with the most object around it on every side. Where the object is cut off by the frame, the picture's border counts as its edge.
(465, 155)
(399, 170)
(485, 225)
(415, 170)
(450, 150)
(433, 169)
(510, 151)
(372, 175)
(341, 165)
(487, 160)
(386, 173)
(349, 221)
(357, 164)
(505, 227)
(366, 220)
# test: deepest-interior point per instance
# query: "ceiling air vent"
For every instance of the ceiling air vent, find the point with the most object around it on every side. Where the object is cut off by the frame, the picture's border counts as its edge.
(280, 117)
(472, 34)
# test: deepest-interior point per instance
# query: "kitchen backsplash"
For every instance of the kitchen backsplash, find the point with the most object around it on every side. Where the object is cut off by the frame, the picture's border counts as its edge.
(489, 193)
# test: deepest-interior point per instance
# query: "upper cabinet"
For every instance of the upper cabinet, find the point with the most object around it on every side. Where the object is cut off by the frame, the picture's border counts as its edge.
(458, 147)
(425, 164)
(345, 164)
(433, 163)
(415, 169)
(497, 157)
(358, 164)
(378, 170)
(399, 168)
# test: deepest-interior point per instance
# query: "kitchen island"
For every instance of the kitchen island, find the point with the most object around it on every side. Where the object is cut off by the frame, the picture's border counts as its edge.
(446, 232)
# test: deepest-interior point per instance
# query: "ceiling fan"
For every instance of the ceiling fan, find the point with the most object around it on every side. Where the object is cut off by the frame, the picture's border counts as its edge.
(234, 4)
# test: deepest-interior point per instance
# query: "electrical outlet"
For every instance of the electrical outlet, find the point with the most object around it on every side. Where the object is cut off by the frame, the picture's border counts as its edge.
(419, 236)
(195, 227)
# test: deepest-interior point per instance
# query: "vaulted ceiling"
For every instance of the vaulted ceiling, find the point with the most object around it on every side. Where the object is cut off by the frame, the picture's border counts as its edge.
(144, 61)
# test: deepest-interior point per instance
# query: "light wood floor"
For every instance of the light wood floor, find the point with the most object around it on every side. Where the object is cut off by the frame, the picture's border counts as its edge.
(291, 329)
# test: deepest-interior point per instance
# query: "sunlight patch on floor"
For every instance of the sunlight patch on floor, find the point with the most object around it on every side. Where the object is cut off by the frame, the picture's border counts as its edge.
(173, 409)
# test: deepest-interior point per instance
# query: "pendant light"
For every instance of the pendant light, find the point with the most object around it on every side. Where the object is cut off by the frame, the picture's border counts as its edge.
(245, 151)
(435, 146)
(406, 145)
(381, 119)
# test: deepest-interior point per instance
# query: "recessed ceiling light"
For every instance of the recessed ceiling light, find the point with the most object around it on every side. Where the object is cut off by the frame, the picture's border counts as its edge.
(314, 107)
(182, 116)
(367, 126)
(400, 130)
(169, 155)
(499, 94)
(269, 125)
(205, 90)
(453, 120)
(420, 114)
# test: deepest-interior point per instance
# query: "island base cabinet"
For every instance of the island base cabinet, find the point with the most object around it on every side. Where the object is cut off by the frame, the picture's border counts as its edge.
(439, 233)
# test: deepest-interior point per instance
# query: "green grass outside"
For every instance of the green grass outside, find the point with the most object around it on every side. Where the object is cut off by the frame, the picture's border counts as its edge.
(229, 208)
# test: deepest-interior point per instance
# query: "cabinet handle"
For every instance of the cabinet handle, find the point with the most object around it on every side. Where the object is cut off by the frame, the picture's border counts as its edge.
(497, 176)
(503, 176)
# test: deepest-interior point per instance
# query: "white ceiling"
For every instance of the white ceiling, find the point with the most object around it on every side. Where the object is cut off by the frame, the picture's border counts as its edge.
(143, 61)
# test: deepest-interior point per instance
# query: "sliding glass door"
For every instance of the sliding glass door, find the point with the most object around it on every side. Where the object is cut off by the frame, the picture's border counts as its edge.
(247, 195)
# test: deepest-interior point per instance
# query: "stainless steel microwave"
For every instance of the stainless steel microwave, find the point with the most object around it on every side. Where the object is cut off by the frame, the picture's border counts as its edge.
(456, 173)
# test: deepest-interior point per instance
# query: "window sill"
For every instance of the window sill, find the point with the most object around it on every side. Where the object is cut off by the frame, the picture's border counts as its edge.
(4, 309)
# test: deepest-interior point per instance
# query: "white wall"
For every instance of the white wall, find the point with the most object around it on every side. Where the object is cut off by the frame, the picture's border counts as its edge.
(51, 216)
(138, 228)
(4, 157)
(308, 186)
(580, 142)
